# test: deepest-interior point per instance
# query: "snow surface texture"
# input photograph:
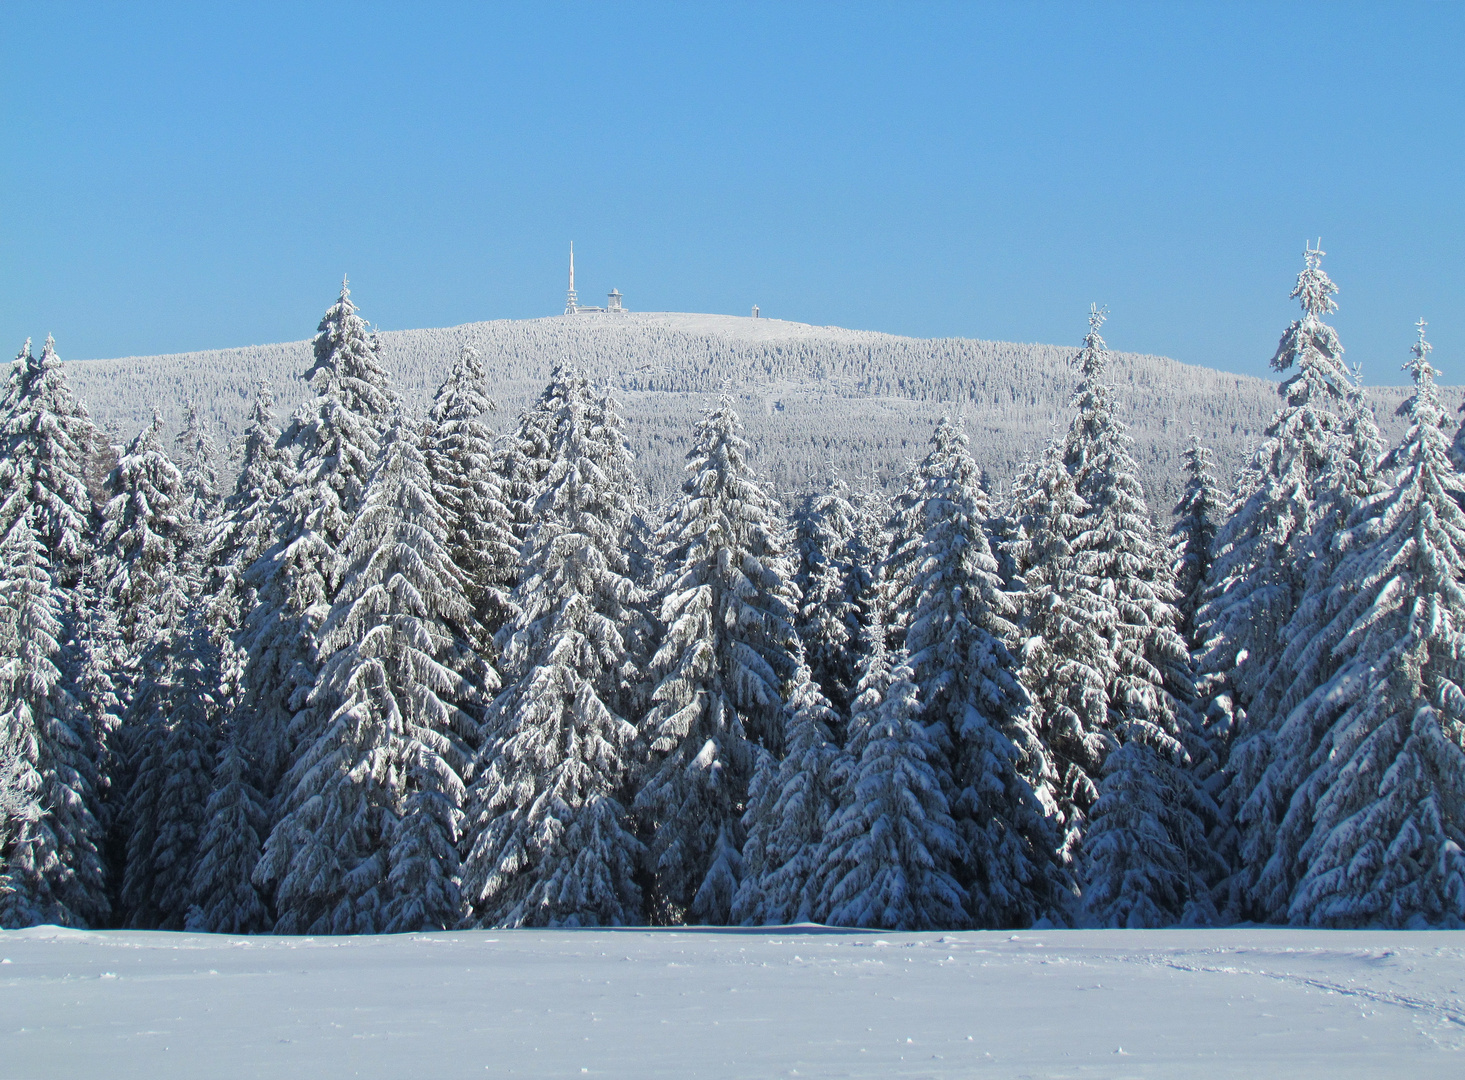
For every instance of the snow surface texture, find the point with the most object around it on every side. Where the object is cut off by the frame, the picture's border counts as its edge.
(811, 396)
(799, 1001)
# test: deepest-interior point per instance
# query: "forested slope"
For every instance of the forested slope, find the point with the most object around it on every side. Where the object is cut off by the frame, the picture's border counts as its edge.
(811, 396)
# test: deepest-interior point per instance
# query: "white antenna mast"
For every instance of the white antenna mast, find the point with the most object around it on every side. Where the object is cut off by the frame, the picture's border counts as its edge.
(572, 302)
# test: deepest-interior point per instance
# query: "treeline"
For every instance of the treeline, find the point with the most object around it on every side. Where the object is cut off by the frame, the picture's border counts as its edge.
(810, 397)
(408, 675)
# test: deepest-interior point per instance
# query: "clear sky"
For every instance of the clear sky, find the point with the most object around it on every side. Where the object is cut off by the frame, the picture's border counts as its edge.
(194, 176)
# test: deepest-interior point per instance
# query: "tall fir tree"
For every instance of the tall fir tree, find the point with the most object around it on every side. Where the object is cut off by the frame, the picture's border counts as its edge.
(197, 458)
(236, 816)
(1198, 514)
(1145, 857)
(468, 487)
(959, 619)
(224, 898)
(145, 533)
(171, 744)
(790, 801)
(334, 442)
(552, 841)
(1066, 631)
(1267, 584)
(373, 803)
(724, 670)
(830, 580)
(52, 870)
(529, 453)
(48, 446)
(892, 850)
(246, 527)
(1375, 821)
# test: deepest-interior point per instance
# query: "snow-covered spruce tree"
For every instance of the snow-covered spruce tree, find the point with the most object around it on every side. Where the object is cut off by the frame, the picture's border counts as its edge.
(872, 676)
(1272, 558)
(224, 897)
(334, 441)
(236, 818)
(552, 842)
(1198, 515)
(529, 452)
(373, 803)
(170, 742)
(466, 484)
(145, 533)
(724, 670)
(246, 526)
(959, 618)
(242, 533)
(52, 870)
(47, 446)
(1067, 627)
(1128, 877)
(892, 851)
(198, 462)
(790, 801)
(830, 580)
(1374, 827)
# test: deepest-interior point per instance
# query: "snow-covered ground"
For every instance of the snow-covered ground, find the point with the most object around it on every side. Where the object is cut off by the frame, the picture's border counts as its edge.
(804, 1001)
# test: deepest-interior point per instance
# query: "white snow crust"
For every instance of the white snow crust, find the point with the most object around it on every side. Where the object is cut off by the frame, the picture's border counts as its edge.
(799, 1001)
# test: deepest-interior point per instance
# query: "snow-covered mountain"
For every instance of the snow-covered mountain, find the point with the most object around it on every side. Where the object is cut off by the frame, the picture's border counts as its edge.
(813, 397)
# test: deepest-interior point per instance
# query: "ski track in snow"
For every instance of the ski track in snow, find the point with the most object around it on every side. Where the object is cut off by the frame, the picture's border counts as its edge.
(801, 1001)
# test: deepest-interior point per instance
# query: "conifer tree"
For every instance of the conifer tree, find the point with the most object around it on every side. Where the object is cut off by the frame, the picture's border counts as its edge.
(1373, 828)
(334, 442)
(247, 524)
(726, 663)
(225, 899)
(467, 486)
(373, 803)
(1067, 629)
(236, 817)
(999, 774)
(1150, 834)
(1257, 578)
(830, 580)
(529, 452)
(1267, 585)
(47, 444)
(892, 851)
(170, 742)
(790, 801)
(144, 528)
(1197, 516)
(553, 843)
(52, 870)
(198, 462)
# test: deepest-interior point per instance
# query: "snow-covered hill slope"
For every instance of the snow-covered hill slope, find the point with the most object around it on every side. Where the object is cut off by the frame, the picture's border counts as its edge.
(812, 396)
(684, 1004)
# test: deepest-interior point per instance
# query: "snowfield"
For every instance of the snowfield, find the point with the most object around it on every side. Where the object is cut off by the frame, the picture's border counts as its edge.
(800, 1001)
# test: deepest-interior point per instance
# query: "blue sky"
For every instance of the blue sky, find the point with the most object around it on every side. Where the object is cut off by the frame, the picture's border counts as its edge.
(197, 176)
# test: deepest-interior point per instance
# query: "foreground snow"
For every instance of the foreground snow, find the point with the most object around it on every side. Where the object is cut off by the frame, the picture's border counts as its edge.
(803, 1001)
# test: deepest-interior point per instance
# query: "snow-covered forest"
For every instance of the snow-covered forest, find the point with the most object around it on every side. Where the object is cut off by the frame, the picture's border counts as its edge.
(380, 666)
(812, 398)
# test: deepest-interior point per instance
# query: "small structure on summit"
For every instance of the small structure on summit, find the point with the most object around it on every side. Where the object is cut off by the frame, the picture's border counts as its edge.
(572, 299)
